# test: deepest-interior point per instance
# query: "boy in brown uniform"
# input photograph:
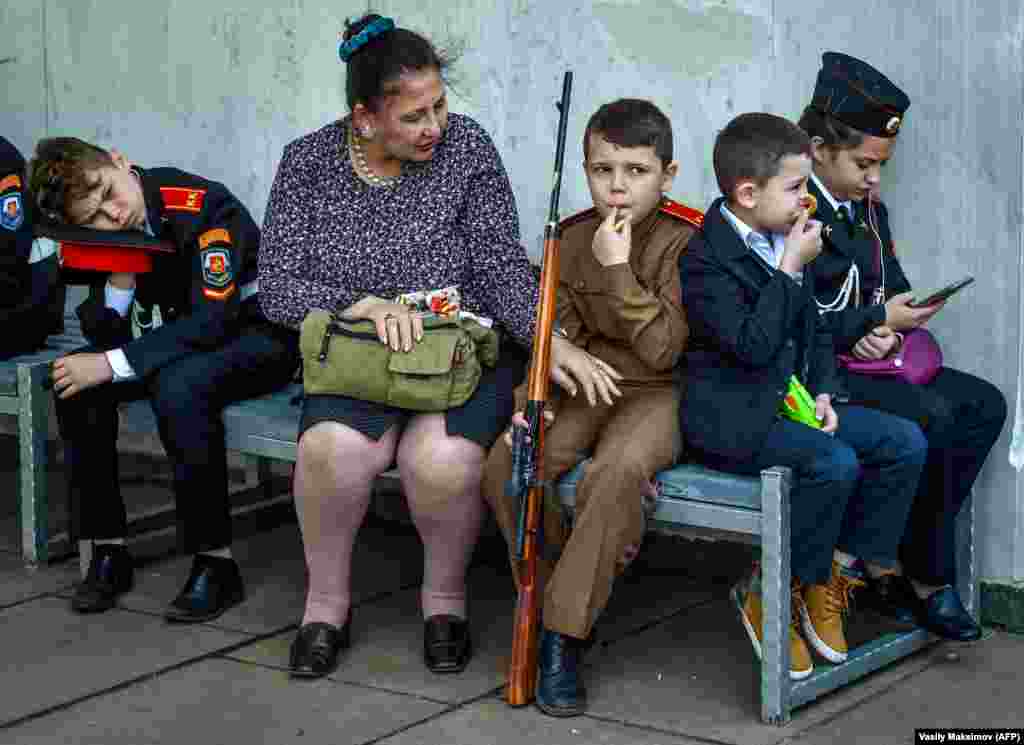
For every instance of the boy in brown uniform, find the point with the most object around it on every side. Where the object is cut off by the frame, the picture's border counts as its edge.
(619, 298)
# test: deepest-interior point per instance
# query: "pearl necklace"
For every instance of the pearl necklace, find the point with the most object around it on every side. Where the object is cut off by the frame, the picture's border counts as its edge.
(359, 156)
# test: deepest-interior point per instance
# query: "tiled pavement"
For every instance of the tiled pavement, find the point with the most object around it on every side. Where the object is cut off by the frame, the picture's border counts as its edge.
(672, 664)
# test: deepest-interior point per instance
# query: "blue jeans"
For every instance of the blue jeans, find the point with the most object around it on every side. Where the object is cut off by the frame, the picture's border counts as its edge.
(852, 491)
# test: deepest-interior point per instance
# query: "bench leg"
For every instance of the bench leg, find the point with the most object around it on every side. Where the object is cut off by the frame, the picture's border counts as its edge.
(967, 571)
(33, 426)
(775, 598)
(263, 473)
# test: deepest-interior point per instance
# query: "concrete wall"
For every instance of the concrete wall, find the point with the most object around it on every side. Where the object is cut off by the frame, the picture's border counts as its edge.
(219, 87)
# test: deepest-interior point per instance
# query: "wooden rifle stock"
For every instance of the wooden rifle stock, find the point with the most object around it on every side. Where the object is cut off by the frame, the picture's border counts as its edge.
(527, 481)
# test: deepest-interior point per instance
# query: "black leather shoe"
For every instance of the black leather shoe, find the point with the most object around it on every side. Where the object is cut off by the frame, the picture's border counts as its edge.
(560, 690)
(943, 614)
(316, 649)
(111, 572)
(892, 596)
(213, 586)
(447, 646)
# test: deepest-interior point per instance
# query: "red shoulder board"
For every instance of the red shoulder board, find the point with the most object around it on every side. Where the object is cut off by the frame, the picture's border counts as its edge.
(182, 199)
(687, 214)
(578, 217)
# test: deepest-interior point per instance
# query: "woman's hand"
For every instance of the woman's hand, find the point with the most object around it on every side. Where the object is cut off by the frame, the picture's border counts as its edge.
(78, 372)
(876, 345)
(397, 326)
(572, 367)
(899, 316)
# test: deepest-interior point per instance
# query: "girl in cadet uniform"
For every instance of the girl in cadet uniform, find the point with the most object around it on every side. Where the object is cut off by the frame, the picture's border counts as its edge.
(853, 119)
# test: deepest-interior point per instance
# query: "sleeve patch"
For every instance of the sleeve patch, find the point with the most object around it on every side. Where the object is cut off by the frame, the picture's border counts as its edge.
(216, 267)
(10, 182)
(215, 235)
(182, 199)
(11, 213)
(219, 295)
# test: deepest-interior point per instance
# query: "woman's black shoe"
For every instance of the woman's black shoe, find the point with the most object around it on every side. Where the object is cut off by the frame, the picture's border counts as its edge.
(316, 649)
(111, 572)
(446, 644)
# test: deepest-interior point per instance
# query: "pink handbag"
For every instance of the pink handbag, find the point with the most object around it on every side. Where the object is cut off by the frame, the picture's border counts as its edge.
(917, 361)
(919, 357)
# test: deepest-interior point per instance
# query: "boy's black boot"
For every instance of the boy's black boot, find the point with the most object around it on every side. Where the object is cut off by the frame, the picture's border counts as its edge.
(560, 690)
(111, 572)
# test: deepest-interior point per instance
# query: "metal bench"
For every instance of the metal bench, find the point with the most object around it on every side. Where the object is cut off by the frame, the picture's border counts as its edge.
(22, 395)
(693, 501)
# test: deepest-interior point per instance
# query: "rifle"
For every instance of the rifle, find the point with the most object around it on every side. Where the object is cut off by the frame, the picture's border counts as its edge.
(527, 482)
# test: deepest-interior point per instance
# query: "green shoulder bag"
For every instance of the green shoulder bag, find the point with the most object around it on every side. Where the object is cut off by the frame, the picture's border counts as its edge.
(440, 372)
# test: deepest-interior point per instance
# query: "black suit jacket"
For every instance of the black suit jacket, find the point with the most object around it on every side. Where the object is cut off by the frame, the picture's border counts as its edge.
(841, 250)
(197, 287)
(750, 329)
(31, 295)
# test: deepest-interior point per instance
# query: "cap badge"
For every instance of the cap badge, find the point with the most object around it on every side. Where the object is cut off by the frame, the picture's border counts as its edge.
(893, 125)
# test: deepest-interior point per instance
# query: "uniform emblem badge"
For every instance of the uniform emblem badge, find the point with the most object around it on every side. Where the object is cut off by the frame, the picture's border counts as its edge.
(11, 213)
(828, 231)
(216, 267)
(893, 125)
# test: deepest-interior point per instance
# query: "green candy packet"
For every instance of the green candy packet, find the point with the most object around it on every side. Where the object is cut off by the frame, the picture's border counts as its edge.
(798, 404)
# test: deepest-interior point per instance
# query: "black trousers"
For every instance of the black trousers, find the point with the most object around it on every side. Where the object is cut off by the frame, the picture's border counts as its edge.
(187, 397)
(961, 416)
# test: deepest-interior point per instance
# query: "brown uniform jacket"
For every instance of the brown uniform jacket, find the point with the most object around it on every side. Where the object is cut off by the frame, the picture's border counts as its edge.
(629, 315)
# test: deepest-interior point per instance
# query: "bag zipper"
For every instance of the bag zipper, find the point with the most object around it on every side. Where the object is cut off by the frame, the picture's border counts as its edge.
(336, 328)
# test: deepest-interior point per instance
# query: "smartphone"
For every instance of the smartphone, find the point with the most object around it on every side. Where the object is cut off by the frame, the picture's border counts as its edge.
(940, 295)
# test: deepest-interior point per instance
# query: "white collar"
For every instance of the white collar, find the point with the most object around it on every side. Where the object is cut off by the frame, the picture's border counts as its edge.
(831, 199)
(778, 242)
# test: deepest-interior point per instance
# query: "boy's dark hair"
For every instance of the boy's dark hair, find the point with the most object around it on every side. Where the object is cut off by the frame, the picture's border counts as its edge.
(375, 67)
(61, 172)
(631, 122)
(752, 146)
(834, 133)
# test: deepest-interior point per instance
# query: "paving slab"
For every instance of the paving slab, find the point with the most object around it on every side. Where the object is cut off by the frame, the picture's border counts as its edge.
(225, 702)
(19, 583)
(387, 643)
(52, 655)
(696, 674)
(387, 557)
(979, 688)
(491, 722)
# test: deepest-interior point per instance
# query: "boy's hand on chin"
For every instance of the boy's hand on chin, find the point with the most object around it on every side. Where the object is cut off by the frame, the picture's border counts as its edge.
(803, 244)
(611, 246)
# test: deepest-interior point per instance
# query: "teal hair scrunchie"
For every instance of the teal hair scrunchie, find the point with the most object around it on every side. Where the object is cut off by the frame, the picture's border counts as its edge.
(380, 26)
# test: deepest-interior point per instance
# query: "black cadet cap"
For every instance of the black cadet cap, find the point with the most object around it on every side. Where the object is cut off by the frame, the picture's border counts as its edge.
(859, 96)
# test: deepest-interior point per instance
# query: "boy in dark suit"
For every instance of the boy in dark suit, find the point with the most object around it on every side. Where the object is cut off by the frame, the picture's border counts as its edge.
(749, 298)
(188, 336)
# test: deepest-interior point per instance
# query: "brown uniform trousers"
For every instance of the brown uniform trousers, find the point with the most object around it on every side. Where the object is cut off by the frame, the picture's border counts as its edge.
(631, 316)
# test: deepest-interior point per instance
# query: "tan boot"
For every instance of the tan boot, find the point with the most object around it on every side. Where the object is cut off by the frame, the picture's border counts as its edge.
(746, 595)
(825, 607)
